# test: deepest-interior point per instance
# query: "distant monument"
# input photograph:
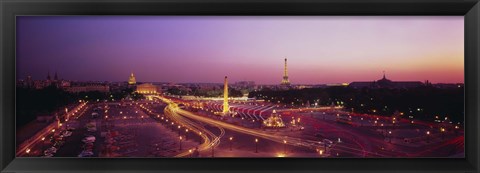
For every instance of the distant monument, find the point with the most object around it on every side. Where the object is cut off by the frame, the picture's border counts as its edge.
(226, 109)
(285, 80)
(131, 80)
(48, 76)
(56, 77)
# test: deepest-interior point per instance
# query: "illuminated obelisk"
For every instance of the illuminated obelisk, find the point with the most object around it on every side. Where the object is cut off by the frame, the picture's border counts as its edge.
(225, 97)
(285, 80)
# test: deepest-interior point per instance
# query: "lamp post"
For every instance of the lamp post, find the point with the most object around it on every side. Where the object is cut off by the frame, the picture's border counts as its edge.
(231, 138)
(442, 130)
(190, 151)
(186, 134)
(213, 150)
(324, 145)
(256, 145)
(384, 130)
(180, 141)
(66, 114)
(428, 136)
(455, 130)
(179, 130)
(285, 146)
(43, 143)
(390, 136)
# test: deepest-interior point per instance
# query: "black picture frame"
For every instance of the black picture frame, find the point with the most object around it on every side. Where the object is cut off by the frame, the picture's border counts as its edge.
(470, 9)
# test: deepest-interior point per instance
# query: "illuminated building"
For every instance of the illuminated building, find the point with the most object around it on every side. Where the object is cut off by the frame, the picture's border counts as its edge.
(386, 83)
(147, 88)
(274, 121)
(131, 80)
(225, 97)
(285, 80)
(88, 88)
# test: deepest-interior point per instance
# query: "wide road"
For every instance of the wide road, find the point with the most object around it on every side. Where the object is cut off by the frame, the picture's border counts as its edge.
(209, 138)
(289, 140)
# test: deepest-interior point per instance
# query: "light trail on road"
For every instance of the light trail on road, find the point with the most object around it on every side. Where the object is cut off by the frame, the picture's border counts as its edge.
(311, 144)
(209, 138)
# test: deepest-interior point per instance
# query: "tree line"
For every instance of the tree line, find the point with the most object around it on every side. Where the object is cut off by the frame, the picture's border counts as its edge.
(425, 102)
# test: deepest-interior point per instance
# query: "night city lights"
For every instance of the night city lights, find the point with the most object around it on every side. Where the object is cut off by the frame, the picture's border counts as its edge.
(211, 86)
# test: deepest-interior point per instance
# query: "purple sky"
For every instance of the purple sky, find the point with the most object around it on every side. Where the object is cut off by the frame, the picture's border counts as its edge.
(319, 49)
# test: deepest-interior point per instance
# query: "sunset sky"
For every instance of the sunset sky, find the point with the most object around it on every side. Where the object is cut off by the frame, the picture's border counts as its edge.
(320, 49)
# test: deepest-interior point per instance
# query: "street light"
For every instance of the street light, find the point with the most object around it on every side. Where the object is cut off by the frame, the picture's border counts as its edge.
(256, 145)
(231, 138)
(213, 150)
(180, 140)
(384, 130)
(285, 146)
(428, 136)
(456, 131)
(43, 143)
(390, 136)
(190, 151)
(443, 133)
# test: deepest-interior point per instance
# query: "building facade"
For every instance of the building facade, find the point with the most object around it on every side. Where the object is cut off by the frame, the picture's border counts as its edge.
(386, 83)
(88, 88)
(147, 88)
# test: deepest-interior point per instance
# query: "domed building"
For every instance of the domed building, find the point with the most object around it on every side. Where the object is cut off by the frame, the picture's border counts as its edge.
(274, 121)
(386, 83)
(131, 80)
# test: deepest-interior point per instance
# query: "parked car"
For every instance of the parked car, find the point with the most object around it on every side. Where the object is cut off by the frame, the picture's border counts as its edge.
(48, 155)
(89, 139)
(67, 133)
(328, 142)
(51, 150)
(85, 154)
